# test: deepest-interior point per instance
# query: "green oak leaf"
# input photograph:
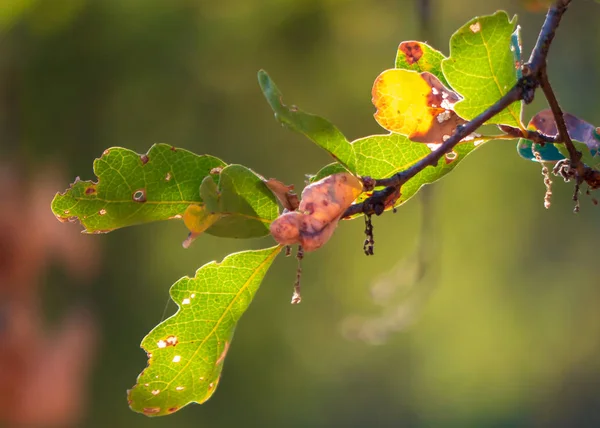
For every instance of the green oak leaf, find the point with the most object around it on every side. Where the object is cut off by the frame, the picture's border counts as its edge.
(319, 130)
(186, 351)
(420, 57)
(244, 203)
(481, 67)
(133, 189)
(382, 156)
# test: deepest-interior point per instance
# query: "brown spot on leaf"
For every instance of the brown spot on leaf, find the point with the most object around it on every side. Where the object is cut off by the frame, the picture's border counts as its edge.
(173, 409)
(172, 341)
(173, 149)
(90, 190)
(476, 27)
(101, 231)
(216, 170)
(139, 195)
(168, 176)
(412, 51)
(450, 157)
(151, 410)
(144, 159)
(102, 212)
(106, 152)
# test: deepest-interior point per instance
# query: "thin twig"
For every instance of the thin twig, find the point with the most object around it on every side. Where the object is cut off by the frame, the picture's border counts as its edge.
(524, 90)
(563, 132)
(535, 136)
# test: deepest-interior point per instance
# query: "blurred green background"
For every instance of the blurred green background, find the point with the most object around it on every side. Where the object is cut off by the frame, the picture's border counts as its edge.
(502, 330)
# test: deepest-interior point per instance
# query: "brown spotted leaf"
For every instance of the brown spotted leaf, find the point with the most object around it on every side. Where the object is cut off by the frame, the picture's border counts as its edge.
(420, 57)
(415, 104)
(133, 189)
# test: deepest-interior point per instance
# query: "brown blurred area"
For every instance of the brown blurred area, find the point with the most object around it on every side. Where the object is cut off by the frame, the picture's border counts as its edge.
(43, 371)
(500, 328)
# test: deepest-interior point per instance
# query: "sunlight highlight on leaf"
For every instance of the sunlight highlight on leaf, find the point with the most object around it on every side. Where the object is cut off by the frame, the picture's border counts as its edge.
(416, 105)
(186, 352)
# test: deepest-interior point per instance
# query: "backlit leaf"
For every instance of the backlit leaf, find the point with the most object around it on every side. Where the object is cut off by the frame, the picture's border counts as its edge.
(385, 155)
(133, 189)
(186, 351)
(420, 57)
(481, 67)
(416, 105)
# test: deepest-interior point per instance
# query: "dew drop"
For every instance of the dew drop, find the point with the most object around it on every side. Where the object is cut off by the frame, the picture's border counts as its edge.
(193, 295)
(102, 212)
(139, 195)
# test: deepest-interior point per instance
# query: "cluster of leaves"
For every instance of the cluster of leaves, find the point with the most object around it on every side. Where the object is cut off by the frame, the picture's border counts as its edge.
(420, 102)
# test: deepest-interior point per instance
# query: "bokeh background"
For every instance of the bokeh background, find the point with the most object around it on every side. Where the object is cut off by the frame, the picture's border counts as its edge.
(480, 307)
